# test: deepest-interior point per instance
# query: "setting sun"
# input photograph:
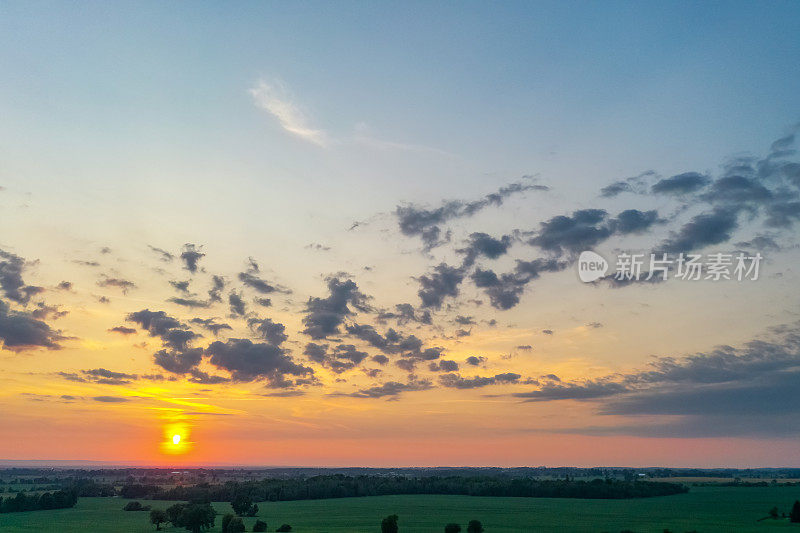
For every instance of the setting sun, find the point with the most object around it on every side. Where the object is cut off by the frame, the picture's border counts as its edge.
(176, 439)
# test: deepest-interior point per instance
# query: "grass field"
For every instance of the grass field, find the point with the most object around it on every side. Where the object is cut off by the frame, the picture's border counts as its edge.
(705, 509)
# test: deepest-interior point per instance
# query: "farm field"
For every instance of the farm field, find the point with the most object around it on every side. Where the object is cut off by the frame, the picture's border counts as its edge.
(705, 509)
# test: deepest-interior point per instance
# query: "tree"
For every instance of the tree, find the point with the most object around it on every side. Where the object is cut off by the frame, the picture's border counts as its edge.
(236, 526)
(192, 516)
(226, 520)
(475, 526)
(158, 517)
(389, 524)
(284, 528)
(253, 510)
(260, 525)
(452, 528)
(773, 513)
(794, 516)
(242, 505)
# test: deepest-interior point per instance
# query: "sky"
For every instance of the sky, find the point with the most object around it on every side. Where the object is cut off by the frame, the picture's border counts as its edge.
(349, 234)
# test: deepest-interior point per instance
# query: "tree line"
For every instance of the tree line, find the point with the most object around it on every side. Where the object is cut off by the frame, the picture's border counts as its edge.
(60, 499)
(341, 486)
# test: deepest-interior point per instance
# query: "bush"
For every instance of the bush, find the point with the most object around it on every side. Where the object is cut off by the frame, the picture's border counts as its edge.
(284, 528)
(236, 526)
(135, 506)
(389, 524)
(452, 528)
(260, 525)
(226, 520)
(475, 526)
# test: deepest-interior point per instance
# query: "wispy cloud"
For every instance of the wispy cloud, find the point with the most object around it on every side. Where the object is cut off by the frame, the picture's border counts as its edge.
(275, 100)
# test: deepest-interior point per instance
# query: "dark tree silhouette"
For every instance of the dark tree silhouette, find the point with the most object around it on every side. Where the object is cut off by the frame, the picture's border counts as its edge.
(260, 525)
(243, 505)
(794, 516)
(284, 528)
(474, 526)
(389, 524)
(158, 517)
(452, 528)
(194, 517)
(226, 520)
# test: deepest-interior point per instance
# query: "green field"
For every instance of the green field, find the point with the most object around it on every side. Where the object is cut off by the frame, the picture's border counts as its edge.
(706, 509)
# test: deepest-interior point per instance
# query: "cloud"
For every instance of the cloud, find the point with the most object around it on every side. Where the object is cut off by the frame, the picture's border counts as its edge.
(210, 324)
(635, 185)
(323, 316)
(426, 223)
(443, 365)
(274, 100)
(118, 283)
(582, 230)
(108, 377)
(443, 282)
(11, 282)
(251, 280)
(163, 255)
(392, 389)
(455, 381)
(484, 245)
(475, 360)
(633, 221)
(272, 332)
(181, 286)
(218, 285)
(703, 230)
(20, 331)
(190, 256)
(249, 361)
(110, 399)
(122, 330)
(178, 361)
(680, 184)
(237, 304)
(504, 291)
(189, 302)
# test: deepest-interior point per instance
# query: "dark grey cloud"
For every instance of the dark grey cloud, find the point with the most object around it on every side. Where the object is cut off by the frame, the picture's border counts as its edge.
(217, 286)
(110, 399)
(702, 230)
(580, 231)
(443, 365)
(20, 331)
(392, 389)
(108, 377)
(11, 282)
(272, 332)
(783, 214)
(635, 185)
(64, 286)
(442, 283)
(236, 303)
(737, 190)
(405, 313)
(119, 283)
(249, 279)
(324, 315)
(727, 386)
(181, 286)
(426, 223)
(484, 245)
(341, 358)
(178, 361)
(189, 302)
(686, 183)
(44, 311)
(210, 324)
(455, 381)
(633, 221)
(163, 255)
(156, 323)
(504, 291)
(190, 256)
(122, 330)
(475, 360)
(249, 361)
